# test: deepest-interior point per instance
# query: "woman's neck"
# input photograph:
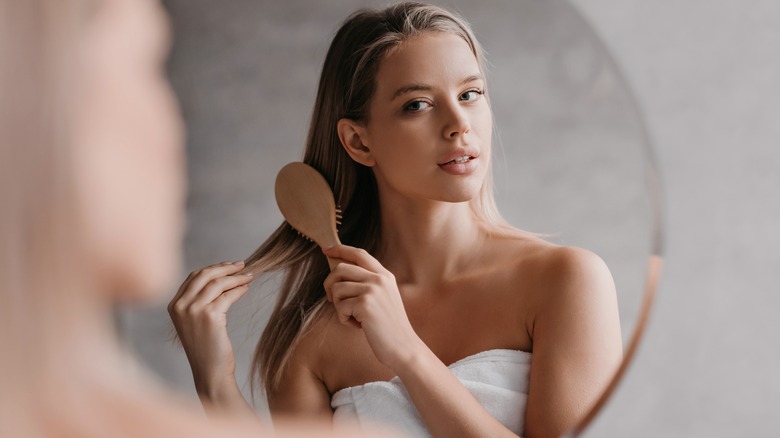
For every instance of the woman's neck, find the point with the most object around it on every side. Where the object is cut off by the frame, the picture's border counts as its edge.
(81, 347)
(424, 242)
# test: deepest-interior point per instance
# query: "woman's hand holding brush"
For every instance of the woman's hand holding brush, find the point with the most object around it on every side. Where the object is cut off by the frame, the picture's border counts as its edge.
(366, 295)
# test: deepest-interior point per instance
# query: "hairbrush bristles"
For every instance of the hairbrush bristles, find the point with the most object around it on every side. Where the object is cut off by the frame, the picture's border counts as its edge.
(339, 217)
(301, 234)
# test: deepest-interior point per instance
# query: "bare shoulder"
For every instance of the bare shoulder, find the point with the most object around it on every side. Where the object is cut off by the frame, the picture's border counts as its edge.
(570, 266)
(556, 272)
(310, 352)
(301, 390)
(573, 299)
(557, 281)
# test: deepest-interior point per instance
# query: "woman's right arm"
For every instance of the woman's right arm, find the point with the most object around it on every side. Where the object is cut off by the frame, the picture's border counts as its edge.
(199, 314)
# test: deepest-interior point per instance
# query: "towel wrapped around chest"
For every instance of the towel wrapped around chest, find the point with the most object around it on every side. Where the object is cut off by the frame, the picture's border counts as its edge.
(498, 380)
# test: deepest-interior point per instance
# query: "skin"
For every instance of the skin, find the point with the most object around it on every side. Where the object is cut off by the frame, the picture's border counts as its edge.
(442, 288)
(125, 114)
(128, 124)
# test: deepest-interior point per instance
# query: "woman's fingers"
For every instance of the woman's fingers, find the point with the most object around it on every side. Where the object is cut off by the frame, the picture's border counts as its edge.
(186, 283)
(344, 272)
(218, 286)
(347, 289)
(228, 298)
(357, 256)
(345, 309)
(199, 279)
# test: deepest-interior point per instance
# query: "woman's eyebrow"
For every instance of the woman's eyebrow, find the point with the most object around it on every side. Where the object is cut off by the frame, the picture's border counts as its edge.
(410, 88)
(423, 87)
(472, 78)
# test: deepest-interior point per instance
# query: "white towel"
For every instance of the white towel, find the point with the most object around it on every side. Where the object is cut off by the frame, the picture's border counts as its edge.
(498, 379)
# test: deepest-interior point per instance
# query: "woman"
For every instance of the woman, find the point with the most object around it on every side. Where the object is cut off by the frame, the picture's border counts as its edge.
(432, 275)
(92, 190)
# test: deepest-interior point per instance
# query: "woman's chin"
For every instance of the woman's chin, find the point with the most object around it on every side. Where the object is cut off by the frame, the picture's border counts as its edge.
(465, 190)
(149, 279)
(456, 195)
(152, 289)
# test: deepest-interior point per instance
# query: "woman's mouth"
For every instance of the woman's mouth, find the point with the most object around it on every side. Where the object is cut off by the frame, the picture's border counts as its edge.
(458, 160)
(463, 165)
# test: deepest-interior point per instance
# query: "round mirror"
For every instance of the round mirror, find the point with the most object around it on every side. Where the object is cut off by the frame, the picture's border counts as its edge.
(572, 159)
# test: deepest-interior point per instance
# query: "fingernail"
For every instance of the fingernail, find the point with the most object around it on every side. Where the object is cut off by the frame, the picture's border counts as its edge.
(249, 274)
(225, 263)
(240, 262)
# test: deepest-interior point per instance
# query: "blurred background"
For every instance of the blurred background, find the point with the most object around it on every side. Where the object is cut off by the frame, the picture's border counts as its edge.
(584, 94)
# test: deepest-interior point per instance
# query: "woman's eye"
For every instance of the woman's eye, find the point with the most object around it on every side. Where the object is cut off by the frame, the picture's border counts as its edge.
(415, 106)
(471, 95)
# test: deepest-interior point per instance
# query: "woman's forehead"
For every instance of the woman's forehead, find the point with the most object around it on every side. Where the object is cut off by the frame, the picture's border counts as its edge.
(433, 59)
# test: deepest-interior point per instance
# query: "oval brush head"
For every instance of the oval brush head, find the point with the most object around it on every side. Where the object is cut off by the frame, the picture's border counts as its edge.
(306, 202)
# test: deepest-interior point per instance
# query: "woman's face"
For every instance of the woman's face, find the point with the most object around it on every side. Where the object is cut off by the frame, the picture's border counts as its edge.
(430, 125)
(129, 149)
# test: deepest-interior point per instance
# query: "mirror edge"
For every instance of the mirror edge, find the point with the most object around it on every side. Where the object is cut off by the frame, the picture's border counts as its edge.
(655, 259)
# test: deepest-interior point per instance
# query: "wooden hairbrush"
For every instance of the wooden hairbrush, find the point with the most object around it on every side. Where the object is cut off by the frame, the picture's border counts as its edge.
(306, 202)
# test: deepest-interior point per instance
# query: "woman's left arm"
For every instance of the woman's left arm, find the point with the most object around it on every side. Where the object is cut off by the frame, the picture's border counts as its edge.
(577, 346)
(367, 292)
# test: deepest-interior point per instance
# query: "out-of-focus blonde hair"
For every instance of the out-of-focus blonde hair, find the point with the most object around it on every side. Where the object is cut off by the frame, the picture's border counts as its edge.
(39, 223)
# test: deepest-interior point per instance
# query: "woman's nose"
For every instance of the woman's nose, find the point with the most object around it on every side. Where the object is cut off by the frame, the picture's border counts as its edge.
(457, 122)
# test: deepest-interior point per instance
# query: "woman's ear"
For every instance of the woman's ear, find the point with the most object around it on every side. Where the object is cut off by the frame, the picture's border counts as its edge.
(353, 137)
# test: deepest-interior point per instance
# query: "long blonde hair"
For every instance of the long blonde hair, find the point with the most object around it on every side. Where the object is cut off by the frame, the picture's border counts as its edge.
(346, 87)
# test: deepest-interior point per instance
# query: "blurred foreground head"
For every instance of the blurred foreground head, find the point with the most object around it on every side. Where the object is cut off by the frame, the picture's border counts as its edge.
(91, 216)
(91, 160)
(91, 187)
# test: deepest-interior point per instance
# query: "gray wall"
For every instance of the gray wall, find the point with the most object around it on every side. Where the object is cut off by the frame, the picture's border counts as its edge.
(246, 72)
(706, 73)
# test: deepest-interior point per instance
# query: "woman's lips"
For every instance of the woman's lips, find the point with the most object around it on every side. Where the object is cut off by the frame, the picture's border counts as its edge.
(459, 167)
